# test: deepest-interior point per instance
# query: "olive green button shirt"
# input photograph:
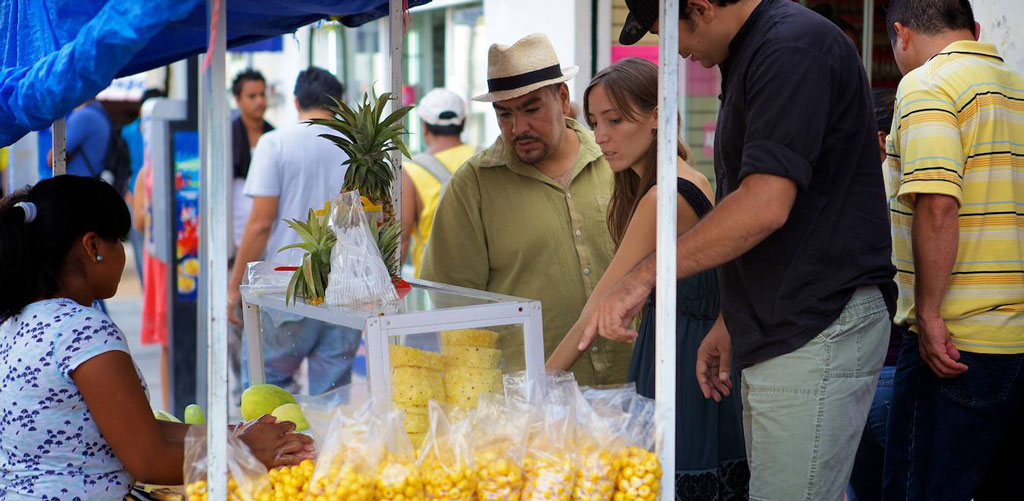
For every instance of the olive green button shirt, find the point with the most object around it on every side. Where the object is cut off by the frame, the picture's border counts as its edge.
(503, 226)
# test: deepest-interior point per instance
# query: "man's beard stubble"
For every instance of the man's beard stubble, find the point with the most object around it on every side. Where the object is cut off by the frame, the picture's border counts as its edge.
(534, 157)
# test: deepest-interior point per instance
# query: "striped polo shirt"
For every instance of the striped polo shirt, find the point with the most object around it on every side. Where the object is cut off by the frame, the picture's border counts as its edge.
(958, 130)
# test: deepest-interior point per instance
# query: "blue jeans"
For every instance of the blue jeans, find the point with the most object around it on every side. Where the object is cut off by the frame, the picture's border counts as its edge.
(866, 480)
(329, 348)
(957, 438)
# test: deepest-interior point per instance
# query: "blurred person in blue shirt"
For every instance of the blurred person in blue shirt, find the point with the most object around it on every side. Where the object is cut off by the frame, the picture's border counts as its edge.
(88, 135)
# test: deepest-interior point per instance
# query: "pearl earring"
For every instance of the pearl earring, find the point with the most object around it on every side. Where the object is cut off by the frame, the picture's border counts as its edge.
(99, 258)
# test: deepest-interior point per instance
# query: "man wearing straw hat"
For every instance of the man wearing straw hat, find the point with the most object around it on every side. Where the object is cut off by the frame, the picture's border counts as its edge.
(526, 217)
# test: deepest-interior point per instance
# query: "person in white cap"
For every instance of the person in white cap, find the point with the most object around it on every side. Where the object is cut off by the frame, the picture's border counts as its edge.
(527, 216)
(443, 116)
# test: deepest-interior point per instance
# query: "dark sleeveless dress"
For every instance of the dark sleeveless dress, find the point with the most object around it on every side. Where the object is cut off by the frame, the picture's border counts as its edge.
(710, 453)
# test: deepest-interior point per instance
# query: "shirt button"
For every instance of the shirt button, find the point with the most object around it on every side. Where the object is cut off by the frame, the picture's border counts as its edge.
(594, 349)
(568, 195)
(586, 271)
(579, 233)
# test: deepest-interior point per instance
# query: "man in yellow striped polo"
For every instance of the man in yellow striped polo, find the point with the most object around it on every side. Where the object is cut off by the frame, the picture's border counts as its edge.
(955, 181)
(443, 116)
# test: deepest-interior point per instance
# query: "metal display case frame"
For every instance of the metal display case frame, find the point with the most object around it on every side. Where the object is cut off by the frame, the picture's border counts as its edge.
(428, 307)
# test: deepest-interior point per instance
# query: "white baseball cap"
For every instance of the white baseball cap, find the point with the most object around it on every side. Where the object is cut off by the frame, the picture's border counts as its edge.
(442, 107)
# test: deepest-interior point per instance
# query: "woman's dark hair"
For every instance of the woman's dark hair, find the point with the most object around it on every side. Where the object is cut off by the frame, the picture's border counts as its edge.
(632, 87)
(315, 87)
(34, 255)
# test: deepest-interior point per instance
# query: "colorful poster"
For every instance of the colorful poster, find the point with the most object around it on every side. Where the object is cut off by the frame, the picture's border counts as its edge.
(186, 189)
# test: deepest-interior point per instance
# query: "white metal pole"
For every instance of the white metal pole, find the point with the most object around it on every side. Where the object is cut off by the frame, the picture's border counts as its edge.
(58, 142)
(396, 18)
(665, 300)
(215, 178)
(868, 36)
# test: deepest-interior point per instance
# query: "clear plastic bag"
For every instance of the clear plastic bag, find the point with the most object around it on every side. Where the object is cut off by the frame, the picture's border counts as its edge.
(557, 388)
(320, 410)
(444, 460)
(347, 464)
(498, 444)
(601, 417)
(263, 277)
(549, 463)
(640, 469)
(247, 476)
(398, 476)
(358, 273)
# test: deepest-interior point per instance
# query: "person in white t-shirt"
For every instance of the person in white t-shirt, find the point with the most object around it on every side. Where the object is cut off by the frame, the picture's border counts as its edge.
(293, 169)
(250, 91)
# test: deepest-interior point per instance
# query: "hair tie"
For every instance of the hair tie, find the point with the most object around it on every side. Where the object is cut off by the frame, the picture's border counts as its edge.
(30, 210)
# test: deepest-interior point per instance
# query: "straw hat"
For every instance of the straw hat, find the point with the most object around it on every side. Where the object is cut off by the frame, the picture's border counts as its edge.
(523, 67)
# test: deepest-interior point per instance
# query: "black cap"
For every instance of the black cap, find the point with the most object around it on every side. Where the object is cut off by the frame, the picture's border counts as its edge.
(642, 15)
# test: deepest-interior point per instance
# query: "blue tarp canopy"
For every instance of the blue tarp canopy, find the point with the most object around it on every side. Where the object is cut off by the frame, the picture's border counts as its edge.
(57, 54)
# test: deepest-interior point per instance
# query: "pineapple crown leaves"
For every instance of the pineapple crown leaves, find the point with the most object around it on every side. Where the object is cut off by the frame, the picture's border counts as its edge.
(387, 243)
(367, 136)
(315, 235)
(310, 279)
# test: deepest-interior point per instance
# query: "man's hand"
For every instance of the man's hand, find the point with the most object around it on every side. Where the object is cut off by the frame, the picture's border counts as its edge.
(616, 311)
(234, 302)
(274, 443)
(714, 363)
(937, 348)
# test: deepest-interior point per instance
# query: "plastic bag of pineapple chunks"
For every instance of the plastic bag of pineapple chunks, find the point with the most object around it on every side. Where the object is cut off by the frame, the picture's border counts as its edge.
(398, 476)
(358, 274)
(444, 459)
(247, 476)
(346, 467)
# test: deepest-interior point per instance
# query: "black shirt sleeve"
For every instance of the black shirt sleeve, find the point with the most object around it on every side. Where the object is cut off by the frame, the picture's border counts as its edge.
(788, 94)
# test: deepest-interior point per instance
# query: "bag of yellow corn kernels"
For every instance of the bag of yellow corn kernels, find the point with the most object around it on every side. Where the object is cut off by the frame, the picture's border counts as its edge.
(550, 461)
(601, 417)
(347, 461)
(247, 476)
(398, 476)
(497, 446)
(444, 458)
(639, 467)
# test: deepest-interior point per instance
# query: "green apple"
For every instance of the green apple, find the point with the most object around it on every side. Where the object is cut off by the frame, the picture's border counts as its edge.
(291, 413)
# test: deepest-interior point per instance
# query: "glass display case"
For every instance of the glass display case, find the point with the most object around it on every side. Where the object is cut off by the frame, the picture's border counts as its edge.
(470, 337)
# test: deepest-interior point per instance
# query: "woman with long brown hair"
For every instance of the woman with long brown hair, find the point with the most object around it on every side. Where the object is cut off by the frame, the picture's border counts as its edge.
(621, 105)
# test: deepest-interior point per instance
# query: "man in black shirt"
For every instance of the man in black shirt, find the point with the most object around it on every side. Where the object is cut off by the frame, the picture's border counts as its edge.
(801, 234)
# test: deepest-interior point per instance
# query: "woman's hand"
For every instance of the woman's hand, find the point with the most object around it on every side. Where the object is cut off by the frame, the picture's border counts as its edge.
(275, 444)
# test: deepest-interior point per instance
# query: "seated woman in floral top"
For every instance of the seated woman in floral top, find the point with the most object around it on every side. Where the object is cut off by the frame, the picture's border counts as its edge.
(75, 421)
